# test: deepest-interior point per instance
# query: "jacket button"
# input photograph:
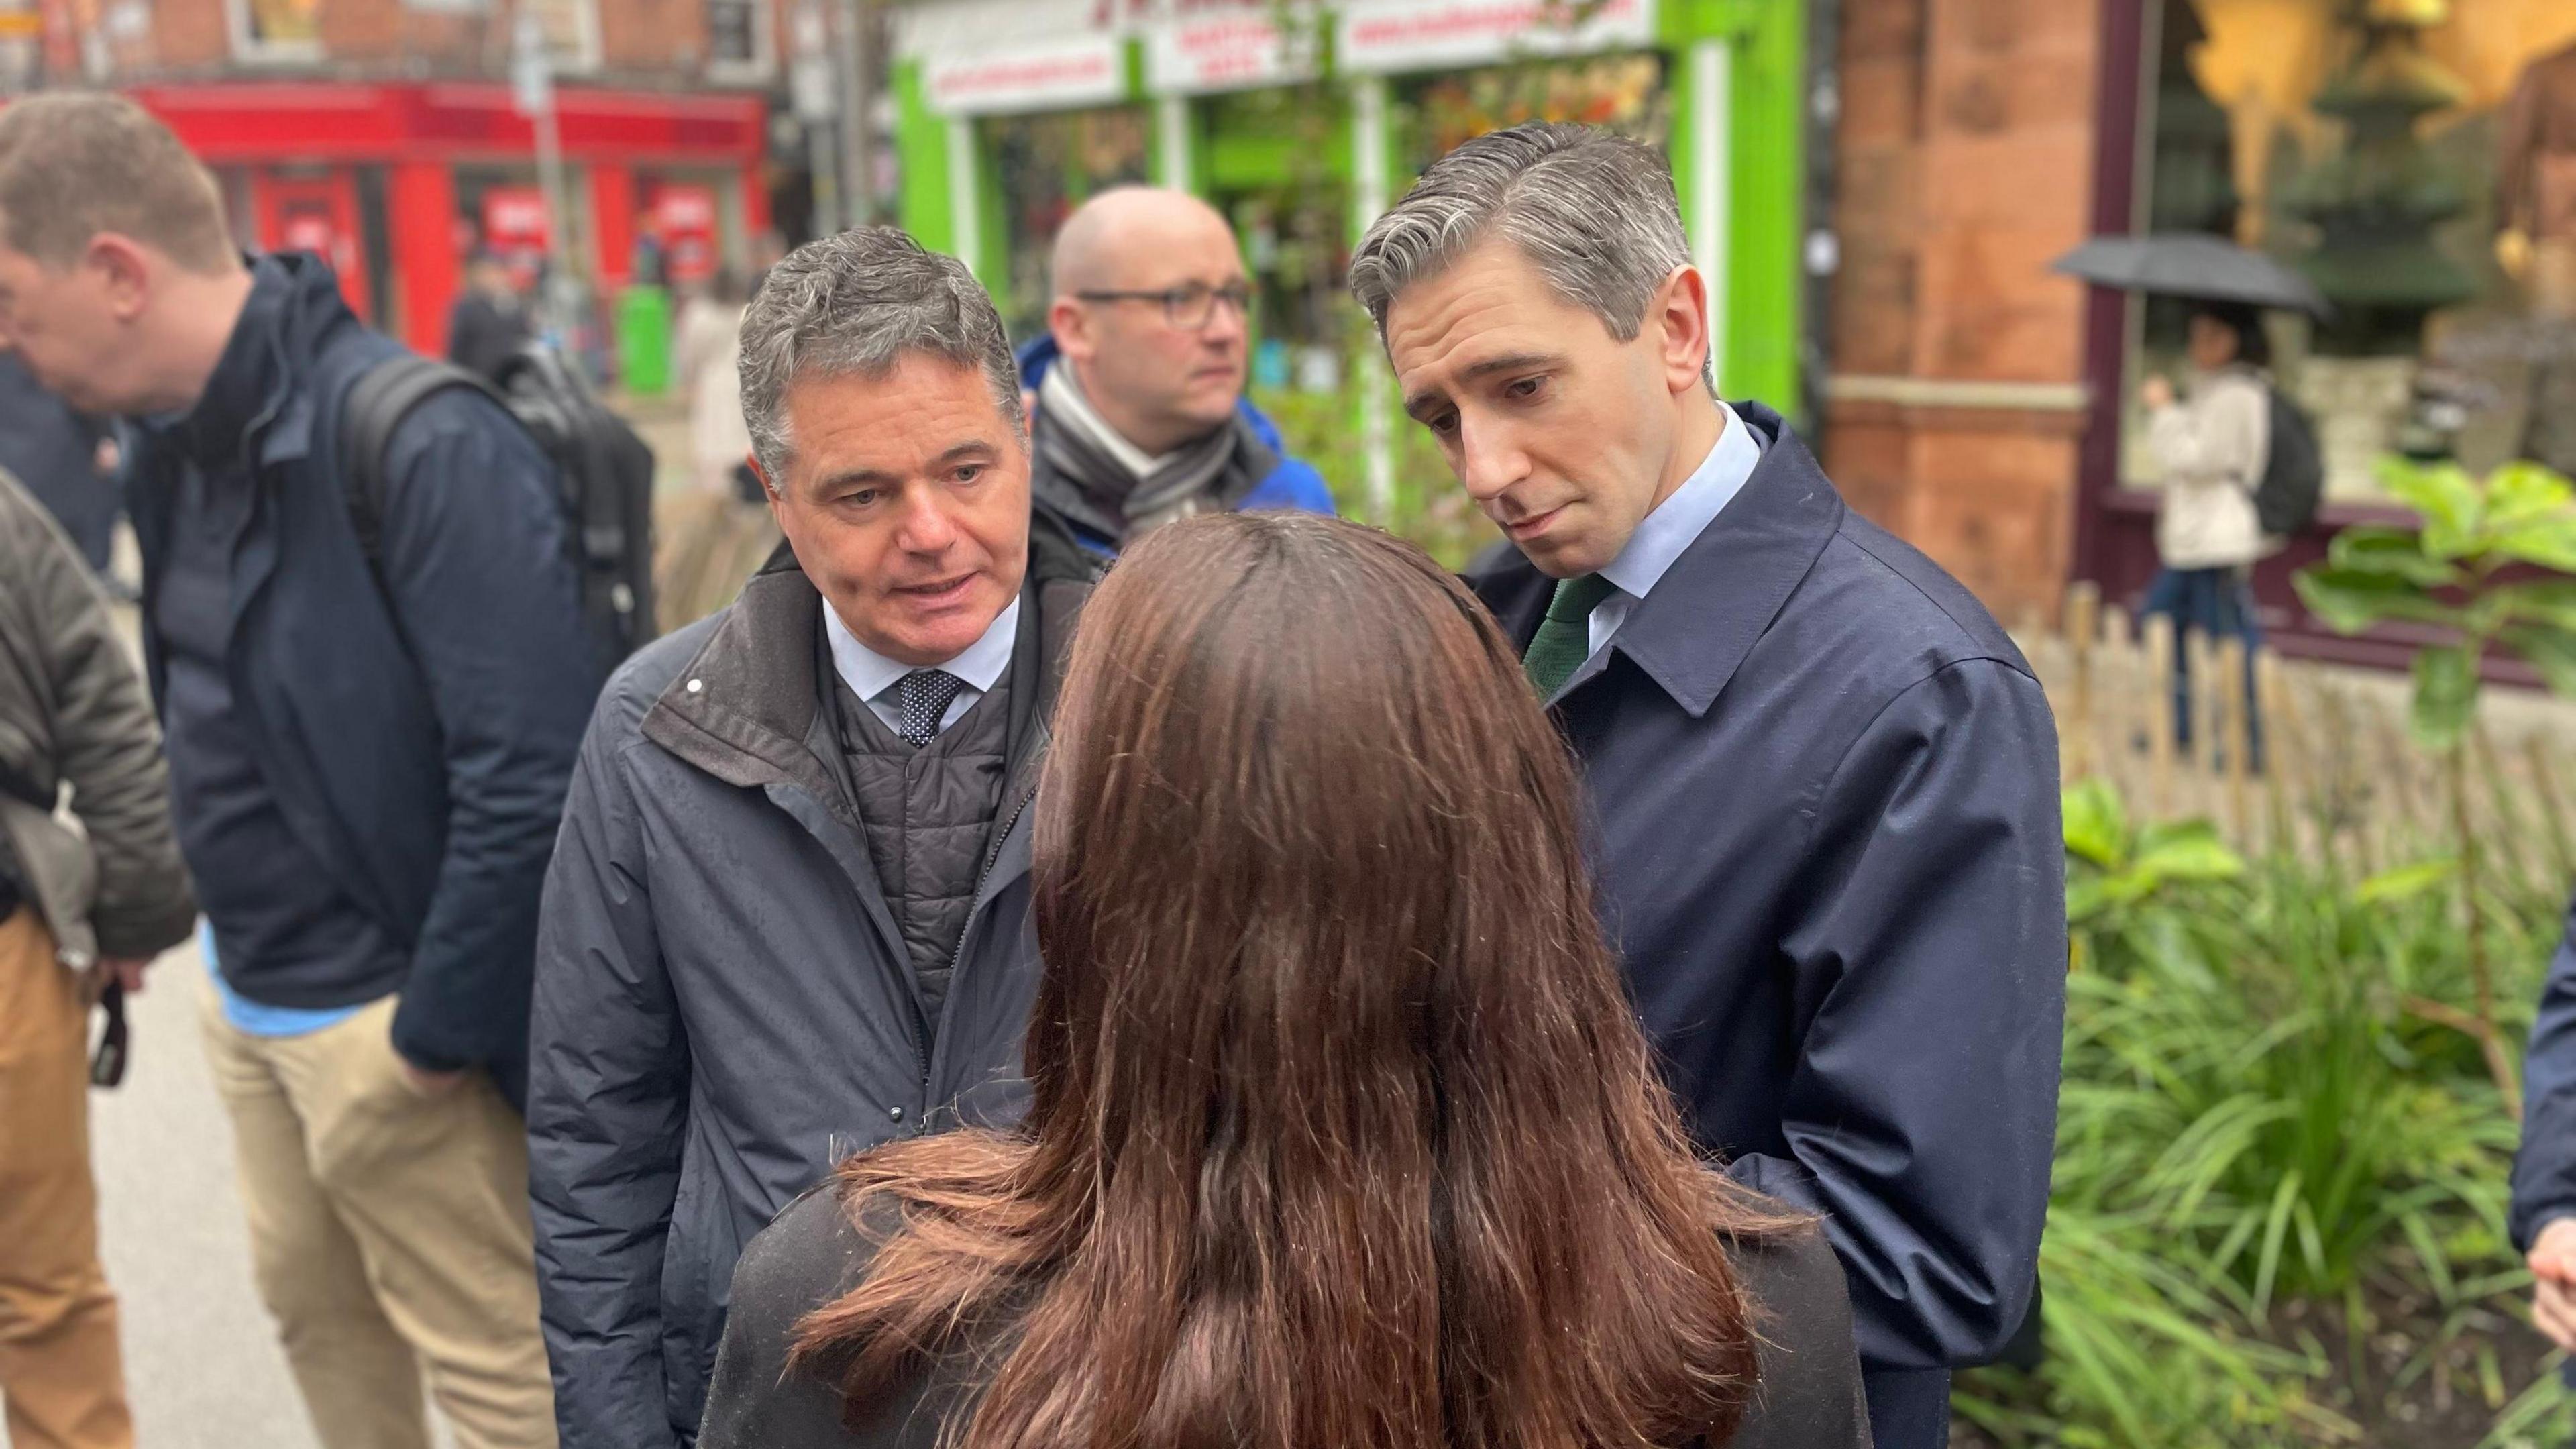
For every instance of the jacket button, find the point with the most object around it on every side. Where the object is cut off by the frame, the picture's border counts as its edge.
(697, 685)
(895, 1112)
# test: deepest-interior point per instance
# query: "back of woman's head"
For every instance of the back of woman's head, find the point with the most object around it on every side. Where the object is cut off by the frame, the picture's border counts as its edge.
(2243, 320)
(1343, 1133)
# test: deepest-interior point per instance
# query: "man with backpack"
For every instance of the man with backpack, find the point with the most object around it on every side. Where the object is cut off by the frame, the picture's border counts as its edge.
(2240, 472)
(372, 699)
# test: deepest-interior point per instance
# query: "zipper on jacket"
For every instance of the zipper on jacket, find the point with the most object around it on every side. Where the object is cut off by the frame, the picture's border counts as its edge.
(957, 958)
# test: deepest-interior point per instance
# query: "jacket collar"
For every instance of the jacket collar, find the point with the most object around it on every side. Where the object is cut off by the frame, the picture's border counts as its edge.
(252, 396)
(748, 707)
(1693, 631)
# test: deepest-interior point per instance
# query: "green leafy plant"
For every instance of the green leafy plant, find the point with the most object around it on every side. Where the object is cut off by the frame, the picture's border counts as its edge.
(2268, 1164)
(2113, 863)
(2448, 574)
(2463, 577)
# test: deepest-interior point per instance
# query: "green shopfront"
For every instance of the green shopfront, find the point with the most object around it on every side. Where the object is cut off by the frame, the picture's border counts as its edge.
(1301, 125)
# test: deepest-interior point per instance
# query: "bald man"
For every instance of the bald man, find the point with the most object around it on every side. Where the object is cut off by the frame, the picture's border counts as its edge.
(1140, 413)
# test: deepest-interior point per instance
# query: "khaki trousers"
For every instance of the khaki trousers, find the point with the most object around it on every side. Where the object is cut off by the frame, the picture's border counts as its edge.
(60, 1370)
(389, 1233)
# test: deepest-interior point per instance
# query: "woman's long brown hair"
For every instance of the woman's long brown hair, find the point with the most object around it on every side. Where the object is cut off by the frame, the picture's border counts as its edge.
(1343, 1135)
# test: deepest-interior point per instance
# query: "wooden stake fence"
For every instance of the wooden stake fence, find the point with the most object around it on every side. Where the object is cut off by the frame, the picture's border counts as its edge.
(2334, 773)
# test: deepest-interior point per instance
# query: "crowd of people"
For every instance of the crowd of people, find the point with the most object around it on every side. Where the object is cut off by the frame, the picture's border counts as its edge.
(1268, 992)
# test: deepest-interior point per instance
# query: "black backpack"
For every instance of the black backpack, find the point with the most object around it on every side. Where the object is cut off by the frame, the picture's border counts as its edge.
(605, 469)
(2294, 472)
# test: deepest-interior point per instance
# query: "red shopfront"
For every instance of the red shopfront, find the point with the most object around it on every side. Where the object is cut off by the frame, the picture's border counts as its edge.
(387, 181)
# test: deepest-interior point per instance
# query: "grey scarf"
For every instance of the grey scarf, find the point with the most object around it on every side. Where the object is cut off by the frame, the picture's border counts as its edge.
(1083, 478)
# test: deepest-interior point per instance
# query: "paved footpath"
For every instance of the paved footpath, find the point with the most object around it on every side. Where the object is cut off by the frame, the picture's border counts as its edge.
(201, 1358)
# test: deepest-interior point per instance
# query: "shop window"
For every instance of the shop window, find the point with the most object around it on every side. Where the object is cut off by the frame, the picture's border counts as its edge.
(571, 31)
(277, 30)
(1043, 167)
(1622, 93)
(2416, 159)
(1277, 164)
(739, 44)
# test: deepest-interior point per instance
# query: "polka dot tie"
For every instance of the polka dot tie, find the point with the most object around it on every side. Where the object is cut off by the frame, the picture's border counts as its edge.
(925, 695)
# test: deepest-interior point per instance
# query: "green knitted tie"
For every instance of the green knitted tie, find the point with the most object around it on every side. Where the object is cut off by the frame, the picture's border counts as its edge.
(1564, 639)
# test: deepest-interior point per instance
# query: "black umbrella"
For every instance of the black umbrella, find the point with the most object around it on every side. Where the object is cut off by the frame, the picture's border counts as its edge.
(2192, 264)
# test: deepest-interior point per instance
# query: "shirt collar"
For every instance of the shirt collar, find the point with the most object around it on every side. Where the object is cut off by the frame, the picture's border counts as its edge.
(870, 674)
(1662, 535)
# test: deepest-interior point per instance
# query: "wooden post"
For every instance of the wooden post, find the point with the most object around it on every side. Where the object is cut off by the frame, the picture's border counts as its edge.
(2232, 734)
(2075, 735)
(2343, 751)
(2284, 754)
(2506, 825)
(2202, 776)
(2553, 806)
(2160, 716)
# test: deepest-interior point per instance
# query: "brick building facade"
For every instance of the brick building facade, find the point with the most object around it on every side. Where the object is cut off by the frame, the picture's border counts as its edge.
(385, 134)
(1955, 411)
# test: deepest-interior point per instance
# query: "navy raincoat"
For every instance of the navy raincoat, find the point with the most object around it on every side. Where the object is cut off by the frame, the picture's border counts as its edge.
(1825, 786)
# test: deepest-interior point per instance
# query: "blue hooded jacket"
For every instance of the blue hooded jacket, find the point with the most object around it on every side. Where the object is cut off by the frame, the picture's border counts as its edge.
(1293, 484)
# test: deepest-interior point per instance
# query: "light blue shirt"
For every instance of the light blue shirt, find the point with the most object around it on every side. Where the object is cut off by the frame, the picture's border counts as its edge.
(1677, 522)
(258, 1018)
(873, 677)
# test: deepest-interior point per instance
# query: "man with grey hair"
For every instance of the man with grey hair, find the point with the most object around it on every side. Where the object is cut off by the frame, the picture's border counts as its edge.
(1824, 780)
(788, 917)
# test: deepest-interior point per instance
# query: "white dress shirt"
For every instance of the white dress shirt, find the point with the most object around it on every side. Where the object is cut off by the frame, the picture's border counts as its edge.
(1663, 535)
(875, 679)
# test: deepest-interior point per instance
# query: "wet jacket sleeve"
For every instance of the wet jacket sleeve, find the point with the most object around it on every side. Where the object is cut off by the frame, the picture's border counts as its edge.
(105, 740)
(607, 1103)
(1931, 932)
(2544, 1171)
(488, 603)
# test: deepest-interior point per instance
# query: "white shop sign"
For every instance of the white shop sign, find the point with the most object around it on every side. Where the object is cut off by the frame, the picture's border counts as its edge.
(1382, 37)
(1051, 75)
(1225, 50)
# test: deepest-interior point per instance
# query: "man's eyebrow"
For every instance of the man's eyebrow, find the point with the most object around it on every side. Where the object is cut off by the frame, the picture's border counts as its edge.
(879, 477)
(1415, 403)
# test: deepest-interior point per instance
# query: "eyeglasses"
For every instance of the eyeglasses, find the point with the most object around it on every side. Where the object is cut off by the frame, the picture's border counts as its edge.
(1189, 307)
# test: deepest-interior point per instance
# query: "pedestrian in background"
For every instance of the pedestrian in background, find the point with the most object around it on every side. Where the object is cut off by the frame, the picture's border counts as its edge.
(1140, 414)
(789, 917)
(2211, 446)
(1825, 780)
(706, 361)
(79, 909)
(368, 748)
(65, 457)
(1344, 1134)
(489, 323)
(2543, 1217)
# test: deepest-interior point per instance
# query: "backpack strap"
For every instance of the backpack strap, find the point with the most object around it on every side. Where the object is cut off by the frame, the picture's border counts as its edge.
(377, 403)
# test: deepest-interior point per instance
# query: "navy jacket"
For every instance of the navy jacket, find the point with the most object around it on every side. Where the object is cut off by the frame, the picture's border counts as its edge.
(53, 450)
(1825, 790)
(418, 731)
(2544, 1171)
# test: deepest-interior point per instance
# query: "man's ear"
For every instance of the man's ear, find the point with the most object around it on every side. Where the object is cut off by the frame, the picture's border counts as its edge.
(129, 270)
(768, 489)
(1071, 327)
(1678, 317)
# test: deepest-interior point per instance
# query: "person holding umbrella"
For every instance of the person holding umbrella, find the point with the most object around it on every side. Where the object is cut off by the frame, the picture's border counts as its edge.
(2239, 463)
(2211, 444)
